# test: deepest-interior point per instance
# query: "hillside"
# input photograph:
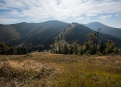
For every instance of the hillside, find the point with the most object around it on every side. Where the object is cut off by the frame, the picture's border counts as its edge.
(105, 29)
(47, 32)
(79, 32)
(32, 32)
(8, 33)
(76, 32)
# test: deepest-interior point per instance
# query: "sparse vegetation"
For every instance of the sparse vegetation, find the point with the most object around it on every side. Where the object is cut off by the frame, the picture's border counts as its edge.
(57, 70)
(91, 47)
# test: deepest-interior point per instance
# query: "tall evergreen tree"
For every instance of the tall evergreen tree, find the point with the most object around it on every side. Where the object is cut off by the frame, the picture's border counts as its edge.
(3, 48)
(65, 49)
(102, 48)
(11, 50)
(75, 49)
(109, 47)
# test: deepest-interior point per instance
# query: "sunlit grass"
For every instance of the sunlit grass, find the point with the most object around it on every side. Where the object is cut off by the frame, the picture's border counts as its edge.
(80, 75)
(51, 70)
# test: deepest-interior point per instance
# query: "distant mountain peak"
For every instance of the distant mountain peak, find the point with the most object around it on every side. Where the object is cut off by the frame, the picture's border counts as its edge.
(52, 20)
(104, 29)
(97, 24)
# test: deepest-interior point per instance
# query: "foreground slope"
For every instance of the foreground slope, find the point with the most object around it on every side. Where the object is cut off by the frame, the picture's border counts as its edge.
(52, 70)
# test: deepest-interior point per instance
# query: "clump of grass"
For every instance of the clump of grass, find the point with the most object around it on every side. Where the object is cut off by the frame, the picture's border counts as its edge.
(24, 74)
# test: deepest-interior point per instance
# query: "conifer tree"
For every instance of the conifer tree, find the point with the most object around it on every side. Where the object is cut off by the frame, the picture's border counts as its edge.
(65, 49)
(109, 47)
(3, 48)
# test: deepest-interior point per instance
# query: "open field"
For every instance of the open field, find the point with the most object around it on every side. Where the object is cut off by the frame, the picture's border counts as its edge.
(54, 70)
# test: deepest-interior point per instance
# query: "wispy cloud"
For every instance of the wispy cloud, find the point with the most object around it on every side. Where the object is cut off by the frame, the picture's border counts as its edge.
(58, 9)
(105, 16)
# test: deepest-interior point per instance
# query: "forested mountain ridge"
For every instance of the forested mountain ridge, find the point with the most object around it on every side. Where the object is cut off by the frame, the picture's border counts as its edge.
(47, 32)
(105, 29)
(79, 32)
(8, 32)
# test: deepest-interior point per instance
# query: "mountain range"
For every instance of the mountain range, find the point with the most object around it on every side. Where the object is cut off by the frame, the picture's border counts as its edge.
(47, 32)
(104, 29)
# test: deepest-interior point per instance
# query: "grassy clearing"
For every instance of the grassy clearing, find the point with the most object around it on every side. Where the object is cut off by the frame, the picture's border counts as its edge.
(51, 70)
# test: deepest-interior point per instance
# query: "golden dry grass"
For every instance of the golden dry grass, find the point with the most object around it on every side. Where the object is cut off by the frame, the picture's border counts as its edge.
(54, 70)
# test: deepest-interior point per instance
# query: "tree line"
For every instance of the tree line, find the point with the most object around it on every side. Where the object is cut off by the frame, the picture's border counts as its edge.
(11, 50)
(90, 47)
(19, 50)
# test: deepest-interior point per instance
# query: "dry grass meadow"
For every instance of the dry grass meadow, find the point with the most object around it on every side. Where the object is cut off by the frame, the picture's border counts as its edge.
(54, 70)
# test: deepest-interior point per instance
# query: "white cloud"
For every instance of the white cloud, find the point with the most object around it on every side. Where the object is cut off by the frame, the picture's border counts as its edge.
(105, 16)
(5, 20)
(60, 9)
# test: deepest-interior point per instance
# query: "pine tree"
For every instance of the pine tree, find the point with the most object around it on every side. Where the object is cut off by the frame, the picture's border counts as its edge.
(3, 48)
(75, 48)
(11, 50)
(109, 47)
(81, 51)
(70, 49)
(65, 49)
(92, 42)
(102, 48)
(59, 49)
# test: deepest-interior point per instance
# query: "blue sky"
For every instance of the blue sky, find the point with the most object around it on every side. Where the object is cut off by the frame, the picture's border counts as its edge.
(81, 11)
